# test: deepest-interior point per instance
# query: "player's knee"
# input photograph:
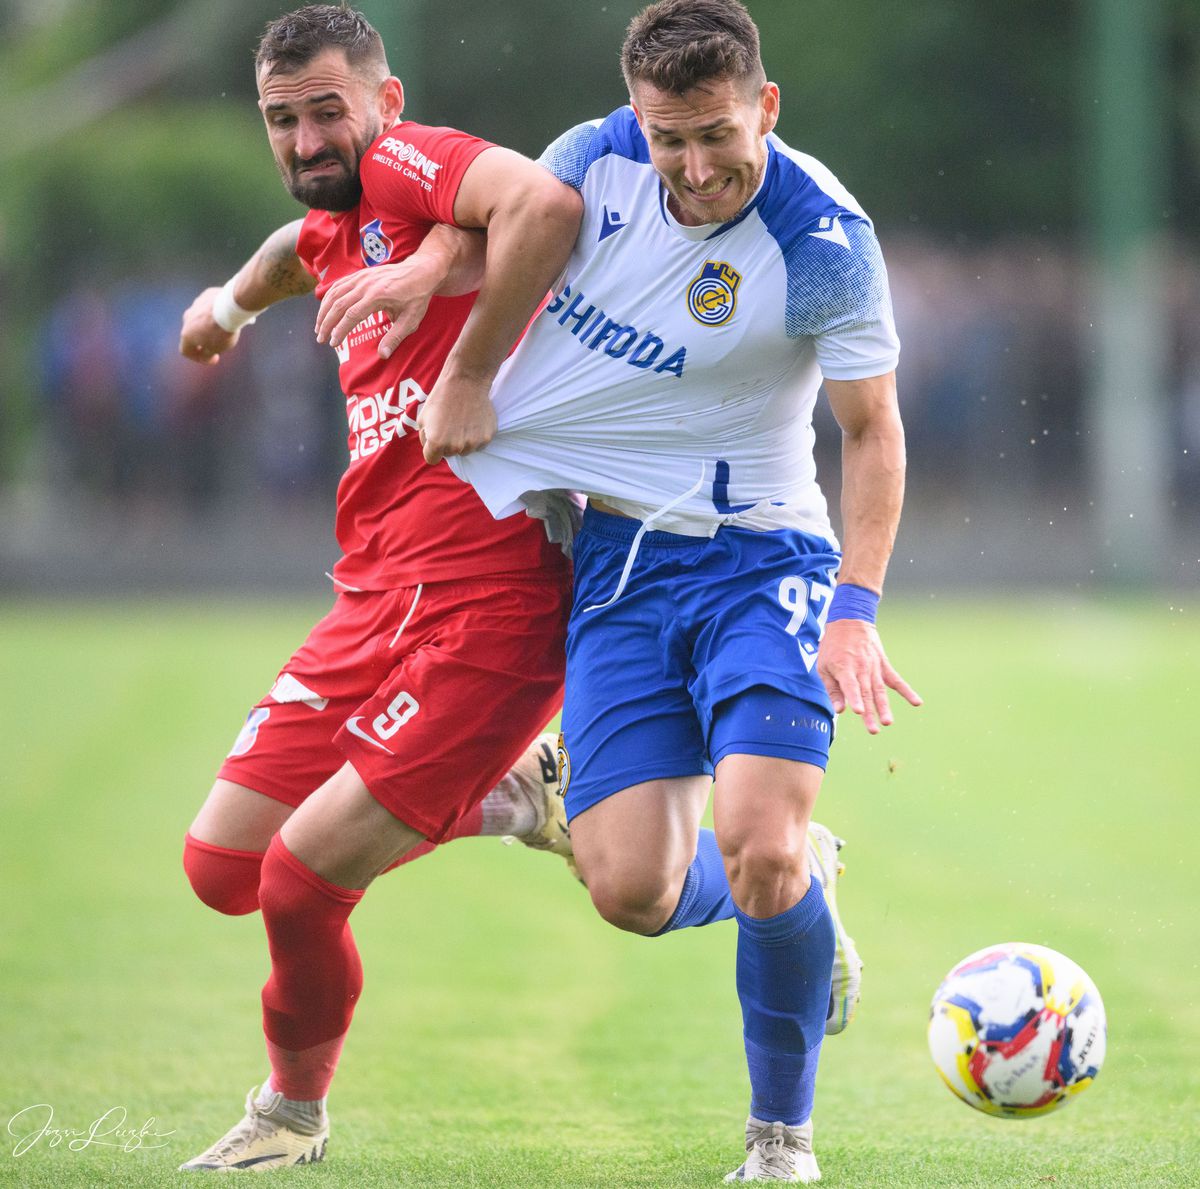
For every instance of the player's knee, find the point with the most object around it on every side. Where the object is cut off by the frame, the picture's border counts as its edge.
(225, 880)
(766, 875)
(294, 899)
(638, 904)
(280, 895)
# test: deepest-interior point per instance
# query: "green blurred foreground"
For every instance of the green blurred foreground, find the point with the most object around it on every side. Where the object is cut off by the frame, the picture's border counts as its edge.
(506, 1036)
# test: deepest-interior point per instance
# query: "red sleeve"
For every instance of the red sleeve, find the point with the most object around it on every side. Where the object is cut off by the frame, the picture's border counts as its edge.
(310, 240)
(413, 172)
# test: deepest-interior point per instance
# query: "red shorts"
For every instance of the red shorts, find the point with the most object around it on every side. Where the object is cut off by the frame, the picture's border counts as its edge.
(431, 692)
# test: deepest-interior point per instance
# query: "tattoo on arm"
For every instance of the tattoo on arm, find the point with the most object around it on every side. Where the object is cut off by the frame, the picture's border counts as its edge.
(282, 271)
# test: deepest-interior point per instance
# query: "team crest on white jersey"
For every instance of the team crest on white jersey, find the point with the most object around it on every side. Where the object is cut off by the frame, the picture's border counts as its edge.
(712, 295)
(376, 247)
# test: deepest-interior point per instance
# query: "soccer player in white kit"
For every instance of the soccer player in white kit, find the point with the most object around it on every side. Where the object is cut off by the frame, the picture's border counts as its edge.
(718, 278)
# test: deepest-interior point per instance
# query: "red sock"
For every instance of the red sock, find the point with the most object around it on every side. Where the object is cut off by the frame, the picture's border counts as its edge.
(304, 1075)
(316, 975)
(224, 879)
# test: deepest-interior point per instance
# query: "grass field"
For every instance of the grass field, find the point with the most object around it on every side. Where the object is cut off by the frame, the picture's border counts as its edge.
(507, 1037)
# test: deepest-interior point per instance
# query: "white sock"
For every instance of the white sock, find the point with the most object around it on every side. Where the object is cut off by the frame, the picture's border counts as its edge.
(515, 805)
(307, 1117)
(510, 808)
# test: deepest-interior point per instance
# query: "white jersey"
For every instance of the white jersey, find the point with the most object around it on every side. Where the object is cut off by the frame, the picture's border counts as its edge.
(674, 373)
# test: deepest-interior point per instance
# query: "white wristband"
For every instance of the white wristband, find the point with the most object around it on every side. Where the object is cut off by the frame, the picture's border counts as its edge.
(226, 312)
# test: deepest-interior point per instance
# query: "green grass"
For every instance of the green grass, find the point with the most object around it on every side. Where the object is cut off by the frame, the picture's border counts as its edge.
(1046, 792)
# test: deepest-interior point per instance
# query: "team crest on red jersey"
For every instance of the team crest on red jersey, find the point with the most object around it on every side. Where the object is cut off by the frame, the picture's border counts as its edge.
(376, 247)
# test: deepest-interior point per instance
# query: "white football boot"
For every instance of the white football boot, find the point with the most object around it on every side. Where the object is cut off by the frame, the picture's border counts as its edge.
(262, 1141)
(846, 989)
(775, 1152)
(539, 774)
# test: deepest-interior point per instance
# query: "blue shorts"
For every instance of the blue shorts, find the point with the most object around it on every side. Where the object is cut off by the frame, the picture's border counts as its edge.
(710, 650)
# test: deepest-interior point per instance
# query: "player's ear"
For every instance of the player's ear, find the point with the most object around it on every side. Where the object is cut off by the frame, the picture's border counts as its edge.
(768, 102)
(637, 111)
(391, 100)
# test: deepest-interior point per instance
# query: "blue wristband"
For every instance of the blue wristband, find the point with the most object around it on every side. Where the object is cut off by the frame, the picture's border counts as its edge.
(852, 602)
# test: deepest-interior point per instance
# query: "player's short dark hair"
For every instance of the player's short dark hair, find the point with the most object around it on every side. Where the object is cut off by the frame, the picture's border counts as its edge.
(676, 45)
(293, 40)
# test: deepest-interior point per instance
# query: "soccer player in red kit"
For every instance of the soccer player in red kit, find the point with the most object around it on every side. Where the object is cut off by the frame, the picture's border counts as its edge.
(443, 654)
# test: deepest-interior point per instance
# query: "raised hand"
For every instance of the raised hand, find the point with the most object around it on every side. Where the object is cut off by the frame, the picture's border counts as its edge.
(200, 338)
(457, 418)
(857, 673)
(402, 291)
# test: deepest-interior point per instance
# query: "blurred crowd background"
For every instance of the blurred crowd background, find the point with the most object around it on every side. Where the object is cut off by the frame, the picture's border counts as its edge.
(1033, 171)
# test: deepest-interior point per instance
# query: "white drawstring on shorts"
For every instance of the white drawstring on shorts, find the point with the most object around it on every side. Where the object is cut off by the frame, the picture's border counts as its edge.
(643, 529)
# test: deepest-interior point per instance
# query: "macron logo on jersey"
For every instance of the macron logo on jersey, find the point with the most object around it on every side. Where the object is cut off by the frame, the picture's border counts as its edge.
(832, 230)
(611, 225)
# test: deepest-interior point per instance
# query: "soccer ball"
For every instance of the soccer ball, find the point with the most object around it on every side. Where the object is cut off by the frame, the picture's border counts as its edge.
(1017, 1030)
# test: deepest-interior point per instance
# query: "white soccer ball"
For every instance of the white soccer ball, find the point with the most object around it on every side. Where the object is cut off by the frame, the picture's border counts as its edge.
(1017, 1030)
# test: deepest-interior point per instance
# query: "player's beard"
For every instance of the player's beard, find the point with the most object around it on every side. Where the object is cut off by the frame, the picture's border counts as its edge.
(338, 192)
(747, 181)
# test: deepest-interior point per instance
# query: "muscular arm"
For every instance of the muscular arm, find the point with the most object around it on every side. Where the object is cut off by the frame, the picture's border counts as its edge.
(851, 660)
(460, 253)
(272, 274)
(873, 463)
(532, 220)
(448, 263)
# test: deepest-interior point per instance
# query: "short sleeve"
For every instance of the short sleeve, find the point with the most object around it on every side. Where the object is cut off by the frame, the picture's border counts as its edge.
(413, 172)
(310, 240)
(569, 157)
(837, 293)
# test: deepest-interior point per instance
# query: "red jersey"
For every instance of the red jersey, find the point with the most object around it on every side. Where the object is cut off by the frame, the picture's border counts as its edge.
(401, 522)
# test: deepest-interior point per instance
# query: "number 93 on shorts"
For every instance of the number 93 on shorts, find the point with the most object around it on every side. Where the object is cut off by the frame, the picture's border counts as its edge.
(710, 649)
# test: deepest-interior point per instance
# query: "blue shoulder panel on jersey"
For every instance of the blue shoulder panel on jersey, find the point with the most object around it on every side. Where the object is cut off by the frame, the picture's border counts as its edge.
(625, 137)
(835, 274)
(572, 154)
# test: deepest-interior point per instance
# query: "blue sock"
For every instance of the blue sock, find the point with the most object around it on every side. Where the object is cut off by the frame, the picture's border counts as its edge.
(705, 897)
(783, 975)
